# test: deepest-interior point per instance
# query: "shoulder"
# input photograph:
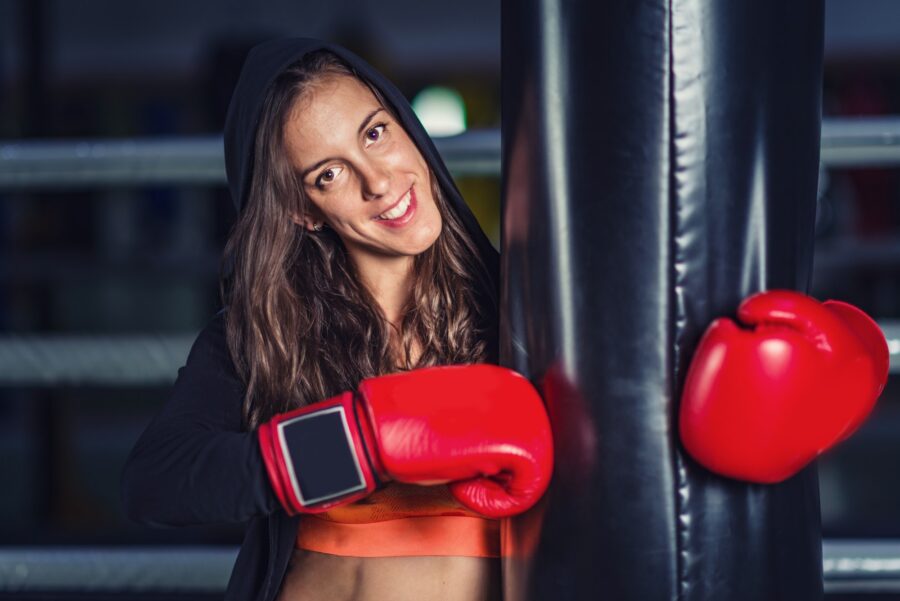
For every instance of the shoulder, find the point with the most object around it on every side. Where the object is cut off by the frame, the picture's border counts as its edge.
(208, 382)
(213, 333)
(210, 350)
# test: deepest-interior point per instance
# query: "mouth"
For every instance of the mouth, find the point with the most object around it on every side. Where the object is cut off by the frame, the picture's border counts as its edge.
(401, 212)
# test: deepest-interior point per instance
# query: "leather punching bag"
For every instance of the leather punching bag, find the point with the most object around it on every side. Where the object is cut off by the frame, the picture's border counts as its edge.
(660, 163)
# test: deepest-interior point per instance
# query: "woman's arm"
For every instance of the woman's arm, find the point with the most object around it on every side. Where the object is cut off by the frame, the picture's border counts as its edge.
(194, 464)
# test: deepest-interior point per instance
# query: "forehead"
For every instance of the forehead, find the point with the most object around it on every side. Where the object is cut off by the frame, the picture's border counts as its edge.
(328, 113)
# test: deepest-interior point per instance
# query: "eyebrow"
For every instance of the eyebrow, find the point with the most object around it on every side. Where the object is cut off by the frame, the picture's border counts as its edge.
(359, 131)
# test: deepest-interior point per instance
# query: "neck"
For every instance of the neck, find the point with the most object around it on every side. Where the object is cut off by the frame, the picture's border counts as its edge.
(390, 282)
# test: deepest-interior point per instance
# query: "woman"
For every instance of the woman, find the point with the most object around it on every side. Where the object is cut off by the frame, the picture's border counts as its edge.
(353, 258)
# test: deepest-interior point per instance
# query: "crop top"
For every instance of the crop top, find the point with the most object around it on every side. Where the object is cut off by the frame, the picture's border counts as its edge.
(401, 520)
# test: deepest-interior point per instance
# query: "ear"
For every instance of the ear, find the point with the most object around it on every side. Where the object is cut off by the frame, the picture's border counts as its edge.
(307, 221)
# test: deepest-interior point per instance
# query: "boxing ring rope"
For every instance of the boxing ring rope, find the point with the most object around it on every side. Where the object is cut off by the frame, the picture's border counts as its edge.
(92, 360)
(861, 566)
(144, 360)
(860, 142)
(850, 566)
(28, 164)
(183, 570)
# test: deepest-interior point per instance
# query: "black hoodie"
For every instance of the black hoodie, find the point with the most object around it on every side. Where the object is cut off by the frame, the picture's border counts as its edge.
(196, 463)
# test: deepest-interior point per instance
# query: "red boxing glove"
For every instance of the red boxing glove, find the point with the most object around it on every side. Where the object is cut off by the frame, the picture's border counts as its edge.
(761, 402)
(482, 428)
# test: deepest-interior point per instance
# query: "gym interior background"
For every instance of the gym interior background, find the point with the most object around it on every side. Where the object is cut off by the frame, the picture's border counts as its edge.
(113, 214)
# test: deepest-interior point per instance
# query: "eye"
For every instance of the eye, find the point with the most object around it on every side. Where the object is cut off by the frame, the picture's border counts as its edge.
(328, 176)
(373, 134)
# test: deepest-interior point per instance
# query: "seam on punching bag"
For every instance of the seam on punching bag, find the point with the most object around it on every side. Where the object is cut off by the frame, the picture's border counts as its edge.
(672, 357)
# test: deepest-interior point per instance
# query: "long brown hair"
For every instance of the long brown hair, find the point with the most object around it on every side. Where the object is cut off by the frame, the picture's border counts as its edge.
(300, 325)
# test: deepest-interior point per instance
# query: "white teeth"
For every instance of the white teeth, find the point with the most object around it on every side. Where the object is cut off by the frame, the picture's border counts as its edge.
(398, 210)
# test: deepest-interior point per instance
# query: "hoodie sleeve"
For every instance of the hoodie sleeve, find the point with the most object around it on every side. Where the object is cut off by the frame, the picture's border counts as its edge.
(194, 464)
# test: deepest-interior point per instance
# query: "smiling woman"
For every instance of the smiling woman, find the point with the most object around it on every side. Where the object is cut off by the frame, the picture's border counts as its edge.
(354, 265)
(414, 290)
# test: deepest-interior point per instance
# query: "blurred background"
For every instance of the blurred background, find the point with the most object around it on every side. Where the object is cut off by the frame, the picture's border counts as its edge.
(113, 214)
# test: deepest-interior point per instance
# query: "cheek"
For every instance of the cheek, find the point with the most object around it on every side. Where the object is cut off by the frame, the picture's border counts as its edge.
(438, 226)
(422, 163)
(436, 222)
(339, 206)
(409, 153)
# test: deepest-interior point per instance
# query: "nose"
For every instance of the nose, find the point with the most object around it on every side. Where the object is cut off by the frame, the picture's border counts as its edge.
(375, 179)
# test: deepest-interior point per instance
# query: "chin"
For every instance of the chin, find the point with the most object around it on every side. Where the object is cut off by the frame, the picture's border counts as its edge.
(429, 239)
(418, 249)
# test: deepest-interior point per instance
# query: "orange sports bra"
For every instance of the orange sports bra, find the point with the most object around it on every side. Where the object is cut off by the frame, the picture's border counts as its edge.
(401, 520)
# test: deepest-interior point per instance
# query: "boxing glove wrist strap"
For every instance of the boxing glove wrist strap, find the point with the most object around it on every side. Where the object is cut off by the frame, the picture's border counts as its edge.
(318, 457)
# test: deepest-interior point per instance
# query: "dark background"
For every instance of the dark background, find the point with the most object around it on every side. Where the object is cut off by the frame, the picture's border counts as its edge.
(144, 260)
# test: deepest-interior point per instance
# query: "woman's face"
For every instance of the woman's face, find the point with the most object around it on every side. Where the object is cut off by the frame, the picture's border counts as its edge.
(362, 173)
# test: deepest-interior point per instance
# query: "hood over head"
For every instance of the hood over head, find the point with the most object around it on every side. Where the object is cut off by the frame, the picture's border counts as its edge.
(263, 65)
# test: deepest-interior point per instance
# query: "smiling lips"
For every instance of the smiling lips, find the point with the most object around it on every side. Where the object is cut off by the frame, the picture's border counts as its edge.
(400, 213)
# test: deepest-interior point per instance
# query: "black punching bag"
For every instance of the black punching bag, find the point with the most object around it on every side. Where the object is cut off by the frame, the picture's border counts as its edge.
(660, 163)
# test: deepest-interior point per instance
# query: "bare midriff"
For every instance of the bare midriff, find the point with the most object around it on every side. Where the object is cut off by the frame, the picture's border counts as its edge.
(402, 542)
(314, 576)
